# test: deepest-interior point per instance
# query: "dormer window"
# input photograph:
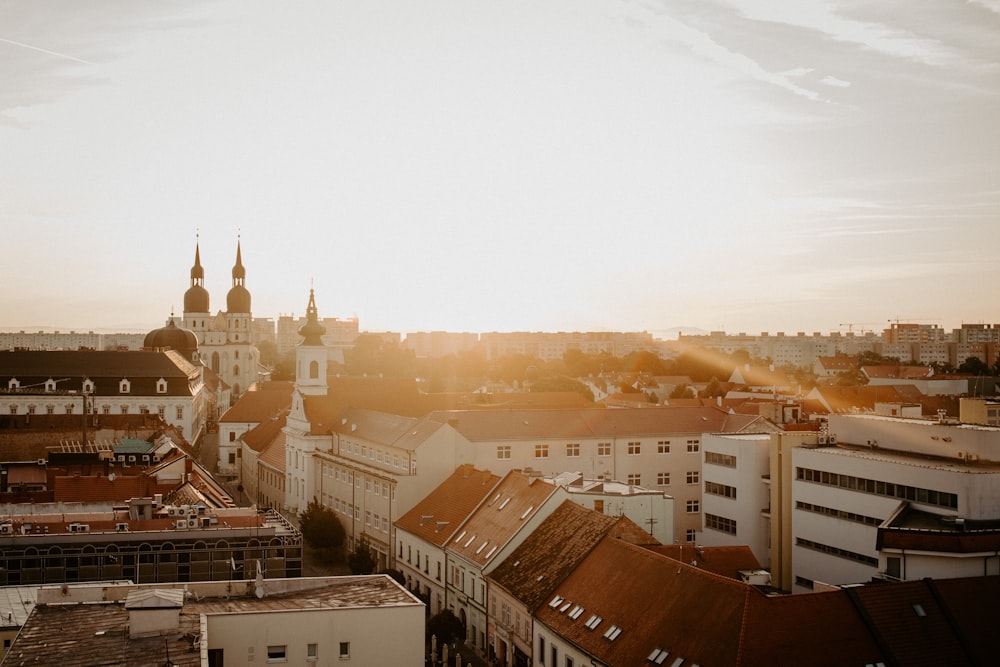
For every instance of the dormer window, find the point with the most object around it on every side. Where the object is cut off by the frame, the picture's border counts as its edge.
(88, 386)
(124, 387)
(13, 383)
(161, 386)
(50, 385)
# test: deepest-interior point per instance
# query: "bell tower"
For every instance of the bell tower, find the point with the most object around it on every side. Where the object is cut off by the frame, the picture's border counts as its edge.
(310, 355)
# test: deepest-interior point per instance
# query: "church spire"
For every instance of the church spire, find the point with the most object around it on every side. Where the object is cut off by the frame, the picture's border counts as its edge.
(197, 272)
(312, 331)
(239, 273)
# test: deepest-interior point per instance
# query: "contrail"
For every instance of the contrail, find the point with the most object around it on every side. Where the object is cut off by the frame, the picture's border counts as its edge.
(51, 53)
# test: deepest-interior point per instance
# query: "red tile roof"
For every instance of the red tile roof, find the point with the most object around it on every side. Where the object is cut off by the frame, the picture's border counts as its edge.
(724, 561)
(267, 400)
(436, 518)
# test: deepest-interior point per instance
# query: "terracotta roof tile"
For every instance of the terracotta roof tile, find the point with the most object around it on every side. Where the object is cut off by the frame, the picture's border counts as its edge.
(724, 561)
(436, 518)
(260, 404)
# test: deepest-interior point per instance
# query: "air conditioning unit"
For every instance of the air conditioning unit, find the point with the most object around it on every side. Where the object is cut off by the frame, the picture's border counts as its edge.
(41, 462)
(181, 523)
(192, 523)
(832, 439)
(131, 458)
(145, 457)
(121, 527)
(121, 458)
(960, 455)
(821, 440)
(78, 528)
(6, 529)
(972, 457)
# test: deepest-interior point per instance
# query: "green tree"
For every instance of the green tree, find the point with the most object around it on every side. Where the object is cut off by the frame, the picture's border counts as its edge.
(681, 391)
(320, 527)
(562, 383)
(362, 560)
(713, 388)
(445, 626)
(974, 366)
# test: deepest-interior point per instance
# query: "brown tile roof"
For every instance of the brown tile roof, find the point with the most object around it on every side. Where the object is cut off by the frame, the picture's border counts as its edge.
(657, 602)
(267, 400)
(893, 371)
(972, 603)
(846, 399)
(513, 502)
(530, 424)
(840, 362)
(436, 518)
(274, 454)
(260, 436)
(98, 489)
(553, 550)
(724, 561)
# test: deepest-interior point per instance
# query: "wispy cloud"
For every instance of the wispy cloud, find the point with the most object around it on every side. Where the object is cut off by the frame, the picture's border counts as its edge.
(702, 44)
(51, 53)
(835, 82)
(992, 5)
(820, 15)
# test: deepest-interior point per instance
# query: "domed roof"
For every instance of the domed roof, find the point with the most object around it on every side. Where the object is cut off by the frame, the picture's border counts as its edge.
(312, 331)
(238, 300)
(196, 300)
(173, 337)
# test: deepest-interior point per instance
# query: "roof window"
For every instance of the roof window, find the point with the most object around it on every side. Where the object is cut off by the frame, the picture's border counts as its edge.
(556, 601)
(612, 633)
(657, 656)
(593, 622)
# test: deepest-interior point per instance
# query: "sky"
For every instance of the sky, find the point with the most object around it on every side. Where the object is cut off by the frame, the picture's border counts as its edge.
(735, 165)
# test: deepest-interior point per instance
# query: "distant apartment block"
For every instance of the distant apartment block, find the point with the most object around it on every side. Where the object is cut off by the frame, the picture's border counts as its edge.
(552, 346)
(431, 344)
(70, 340)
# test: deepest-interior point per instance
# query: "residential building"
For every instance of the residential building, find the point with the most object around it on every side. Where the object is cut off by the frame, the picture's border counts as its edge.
(603, 613)
(435, 344)
(553, 346)
(164, 382)
(322, 620)
(423, 532)
(70, 340)
(525, 578)
(262, 403)
(515, 509)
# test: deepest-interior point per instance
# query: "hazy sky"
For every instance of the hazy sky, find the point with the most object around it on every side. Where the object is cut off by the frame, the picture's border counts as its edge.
(745, 165)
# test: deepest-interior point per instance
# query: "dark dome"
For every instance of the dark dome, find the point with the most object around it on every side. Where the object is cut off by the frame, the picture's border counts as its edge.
(238, 300)
(174, 337)
(196, 300)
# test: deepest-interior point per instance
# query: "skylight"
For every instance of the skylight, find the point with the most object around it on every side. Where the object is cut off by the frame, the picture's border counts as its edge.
(658, 656)
(556, 601)
(493, 549)
(482, 546)
(593, 622)
(612, 633)
(459, 538)
(677, 662)
(503, 504)
(527, 512)
(565, 607)
(470, 541)
(492, 502)
(575, 614)
(919, 610)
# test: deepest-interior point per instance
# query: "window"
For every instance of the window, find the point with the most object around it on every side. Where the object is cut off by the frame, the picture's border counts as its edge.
(635, 479)
(277, 653)
(50, 409)
(180, 412)
(439, 570)
(312, 652)
(720, 459)
(345, 650)
(663, 447)
(691, 535)
(693, 477)
(569, 661)
(663, 478)
(162, 411)
(161, 386)
(893, 567)
(124, 409)
(693, 446)
(723, 490)
(313, 370)
(634, 448)
(123, 387)
(541, 451)
(693, 507)
(143, 409)
(503, 451)
(13, 409)
(541, 650)
(720, 523)
(604, 449)
(232, 436)
(106, 409)
(573, 450)
(31, 409)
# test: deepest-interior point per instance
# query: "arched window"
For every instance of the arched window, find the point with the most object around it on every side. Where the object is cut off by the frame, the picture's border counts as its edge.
(215, 362)
(236, 370)
(313, 370)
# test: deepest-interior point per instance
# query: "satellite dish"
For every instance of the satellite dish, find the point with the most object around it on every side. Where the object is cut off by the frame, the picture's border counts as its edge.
(111, 477)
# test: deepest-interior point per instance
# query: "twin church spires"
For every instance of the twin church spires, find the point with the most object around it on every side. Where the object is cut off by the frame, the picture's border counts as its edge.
(196, 299)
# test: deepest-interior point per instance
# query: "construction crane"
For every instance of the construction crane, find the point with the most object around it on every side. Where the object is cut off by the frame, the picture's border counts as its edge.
(850, 326)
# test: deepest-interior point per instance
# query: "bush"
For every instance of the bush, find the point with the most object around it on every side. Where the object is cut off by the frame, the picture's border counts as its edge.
(320, 527)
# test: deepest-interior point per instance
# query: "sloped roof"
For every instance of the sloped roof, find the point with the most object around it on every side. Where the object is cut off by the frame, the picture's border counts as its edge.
(274, 454)
(552, 551)
(759, 376)
(972, 603)
(513, 502)
(94, 364)
(838, 363)
(657, 602)
(264, 433)
(260, 404)
(839, 399)
(724, 561)
(477, 425)
(898, 372)
(436, 518)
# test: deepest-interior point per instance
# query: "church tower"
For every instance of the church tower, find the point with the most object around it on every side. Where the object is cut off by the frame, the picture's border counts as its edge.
(238, 304)
(310, 355)
(197, 316)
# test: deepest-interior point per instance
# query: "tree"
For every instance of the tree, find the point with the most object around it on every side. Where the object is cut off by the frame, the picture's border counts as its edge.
(974, 366)
(681, 391)
(397, 575)
(320, 527)
(445, 626)
(562, 383)
(713, 388)
(362, 559)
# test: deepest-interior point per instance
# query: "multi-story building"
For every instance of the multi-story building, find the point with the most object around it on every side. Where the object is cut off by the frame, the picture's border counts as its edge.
(144, 540)
(430, 344)
(70, 340)
(816, 502)
(423, 532)
(167, 382)
(553, 346)
(316, 620)
(226, 340)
